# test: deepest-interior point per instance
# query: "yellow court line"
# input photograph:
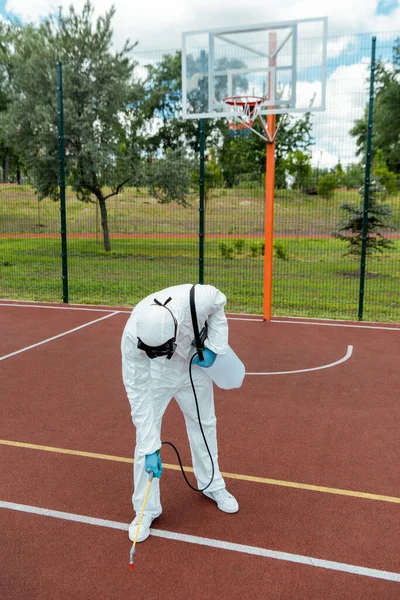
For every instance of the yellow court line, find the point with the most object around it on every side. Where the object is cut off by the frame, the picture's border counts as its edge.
(253, 479)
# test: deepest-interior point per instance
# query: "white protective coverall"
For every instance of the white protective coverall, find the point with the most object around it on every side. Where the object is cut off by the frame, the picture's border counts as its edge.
(151, 383)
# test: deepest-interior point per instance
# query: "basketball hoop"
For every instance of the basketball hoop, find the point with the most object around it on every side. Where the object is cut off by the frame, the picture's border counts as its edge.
(245, 110)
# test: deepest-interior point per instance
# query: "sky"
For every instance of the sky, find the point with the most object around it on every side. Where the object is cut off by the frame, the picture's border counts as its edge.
(160, 24)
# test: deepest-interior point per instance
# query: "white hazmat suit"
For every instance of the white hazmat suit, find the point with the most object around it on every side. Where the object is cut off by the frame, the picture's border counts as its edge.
(151, 383)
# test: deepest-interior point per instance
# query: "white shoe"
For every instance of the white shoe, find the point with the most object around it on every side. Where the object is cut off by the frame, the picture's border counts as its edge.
(144, 530)
(225, 501)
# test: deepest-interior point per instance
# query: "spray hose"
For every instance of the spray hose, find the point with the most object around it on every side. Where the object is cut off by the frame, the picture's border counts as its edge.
(204, 438)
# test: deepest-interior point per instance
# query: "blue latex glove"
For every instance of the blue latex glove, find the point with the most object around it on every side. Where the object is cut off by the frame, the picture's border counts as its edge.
(152, 462)
(208, 360)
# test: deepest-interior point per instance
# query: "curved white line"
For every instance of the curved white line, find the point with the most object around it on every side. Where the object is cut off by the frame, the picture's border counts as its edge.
(337, 362)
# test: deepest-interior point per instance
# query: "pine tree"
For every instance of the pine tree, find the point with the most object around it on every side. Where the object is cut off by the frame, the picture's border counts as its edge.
(380, 218)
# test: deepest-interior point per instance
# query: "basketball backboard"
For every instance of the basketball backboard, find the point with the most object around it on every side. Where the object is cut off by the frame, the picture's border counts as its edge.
(284, 63)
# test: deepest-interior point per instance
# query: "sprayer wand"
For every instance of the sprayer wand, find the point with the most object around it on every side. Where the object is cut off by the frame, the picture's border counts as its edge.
(132, 552)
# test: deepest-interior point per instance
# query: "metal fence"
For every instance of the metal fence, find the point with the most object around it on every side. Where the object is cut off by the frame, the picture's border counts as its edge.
(154, 245)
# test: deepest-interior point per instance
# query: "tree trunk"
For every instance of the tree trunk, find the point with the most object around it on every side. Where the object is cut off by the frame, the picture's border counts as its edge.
(6, 166)
(104, 221)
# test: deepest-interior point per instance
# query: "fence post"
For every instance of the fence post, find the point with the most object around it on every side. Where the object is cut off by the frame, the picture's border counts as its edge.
(367, 182)
(202, 144)
(61, 172)
(201, 204)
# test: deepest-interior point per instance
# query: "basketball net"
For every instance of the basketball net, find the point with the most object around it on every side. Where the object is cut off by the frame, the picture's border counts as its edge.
(245, 110)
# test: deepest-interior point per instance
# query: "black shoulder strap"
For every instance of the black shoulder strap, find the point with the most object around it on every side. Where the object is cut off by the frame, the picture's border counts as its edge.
(195, 324)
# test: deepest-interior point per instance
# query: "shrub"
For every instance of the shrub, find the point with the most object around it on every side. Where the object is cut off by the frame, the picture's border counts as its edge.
(254, 250)
(239, 245)
(257, 249)
(327, 185)
(281, 251)
(226, 250)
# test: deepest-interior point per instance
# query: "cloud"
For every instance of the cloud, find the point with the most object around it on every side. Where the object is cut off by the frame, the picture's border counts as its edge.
(160, 26)
(347, 97)
(338, 45)
(33, 10)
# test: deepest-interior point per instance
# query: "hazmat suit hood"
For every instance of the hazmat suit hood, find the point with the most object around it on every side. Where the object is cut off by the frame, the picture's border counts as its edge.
(156, 325)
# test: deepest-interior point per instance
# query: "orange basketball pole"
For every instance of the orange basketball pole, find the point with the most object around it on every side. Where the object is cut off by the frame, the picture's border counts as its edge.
(269, 219)
(269, 198)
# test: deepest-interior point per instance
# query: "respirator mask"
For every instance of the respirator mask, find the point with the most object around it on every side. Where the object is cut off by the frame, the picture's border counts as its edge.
(166, 349)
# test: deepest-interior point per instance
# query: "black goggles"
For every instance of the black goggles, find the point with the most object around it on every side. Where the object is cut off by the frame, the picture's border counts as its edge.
(168, 348)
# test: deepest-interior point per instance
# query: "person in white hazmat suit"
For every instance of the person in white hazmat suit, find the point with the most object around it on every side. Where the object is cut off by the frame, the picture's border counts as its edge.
(157, 370)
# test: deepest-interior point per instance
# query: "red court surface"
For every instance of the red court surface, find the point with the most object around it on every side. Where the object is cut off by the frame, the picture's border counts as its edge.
(309, 446)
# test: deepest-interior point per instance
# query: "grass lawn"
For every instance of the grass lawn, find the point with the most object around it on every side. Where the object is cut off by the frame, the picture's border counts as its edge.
(312, 277)
(237, 211)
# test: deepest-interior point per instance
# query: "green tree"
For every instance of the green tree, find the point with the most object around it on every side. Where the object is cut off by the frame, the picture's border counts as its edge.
(382, 173)
(353, 176)
(246, 155)
(327, 185)
(213, 178)
(379, 218)
(298, 165)
(162, 103)
(386, 122)
(9, 155)
(169, 178)
(162, 107)
(100, 97)
(339, 172)
(5, 54)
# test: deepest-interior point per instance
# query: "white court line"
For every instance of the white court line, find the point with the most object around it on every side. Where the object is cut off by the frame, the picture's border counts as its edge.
(254, 319)
(348, 354)
(321, 324)
(127, 311)
(45, 512)
(212, 543)
(381, 328)
(61, 307)
(245, 319)
(55, 337)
